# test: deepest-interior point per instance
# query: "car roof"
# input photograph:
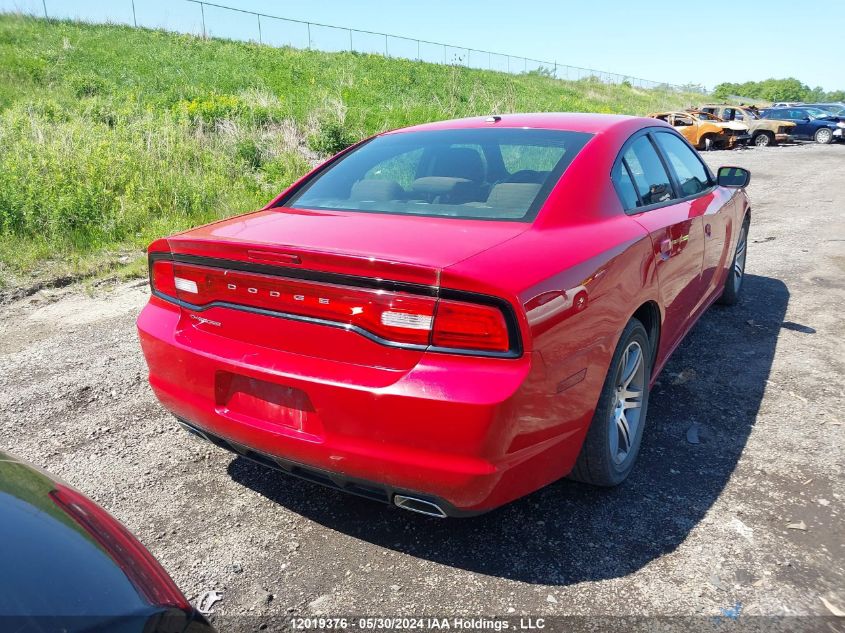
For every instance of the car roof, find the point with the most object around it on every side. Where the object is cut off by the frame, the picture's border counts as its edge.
(572, 122)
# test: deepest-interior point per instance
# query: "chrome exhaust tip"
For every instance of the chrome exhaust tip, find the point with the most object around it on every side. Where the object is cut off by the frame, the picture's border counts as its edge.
(193, 430)
(419, 505)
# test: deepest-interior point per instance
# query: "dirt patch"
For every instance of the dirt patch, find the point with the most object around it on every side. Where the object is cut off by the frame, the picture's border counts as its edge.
(699, 529)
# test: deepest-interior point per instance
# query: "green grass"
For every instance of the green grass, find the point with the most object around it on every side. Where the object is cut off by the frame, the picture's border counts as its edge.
(112, 136)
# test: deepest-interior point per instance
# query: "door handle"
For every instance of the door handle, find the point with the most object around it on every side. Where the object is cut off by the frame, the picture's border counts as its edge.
(707, 230)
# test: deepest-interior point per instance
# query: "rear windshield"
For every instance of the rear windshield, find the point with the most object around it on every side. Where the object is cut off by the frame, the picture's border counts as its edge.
(492, 174)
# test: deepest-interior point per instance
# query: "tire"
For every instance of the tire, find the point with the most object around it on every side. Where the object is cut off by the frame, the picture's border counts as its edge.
(611, 447)
(823, 135)
(764, 139)
(736, 274)
(707, 142)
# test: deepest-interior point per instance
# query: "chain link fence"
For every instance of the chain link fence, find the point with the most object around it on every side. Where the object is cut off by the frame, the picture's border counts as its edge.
(209, 19)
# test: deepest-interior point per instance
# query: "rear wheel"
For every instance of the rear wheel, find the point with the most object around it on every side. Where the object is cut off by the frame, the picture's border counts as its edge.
(736, 274)
(824, 135)
(764, 139)
(613, 440)
(708, 142)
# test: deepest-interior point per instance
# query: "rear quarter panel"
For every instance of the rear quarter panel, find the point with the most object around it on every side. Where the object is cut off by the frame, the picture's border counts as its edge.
(576, 278)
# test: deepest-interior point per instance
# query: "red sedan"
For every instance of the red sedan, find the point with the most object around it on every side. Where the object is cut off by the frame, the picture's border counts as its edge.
(450, 316)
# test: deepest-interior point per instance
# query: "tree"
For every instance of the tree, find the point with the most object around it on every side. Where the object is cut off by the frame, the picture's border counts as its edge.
(789, 89)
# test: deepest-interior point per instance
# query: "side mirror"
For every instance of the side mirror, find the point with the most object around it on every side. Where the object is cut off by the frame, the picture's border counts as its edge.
(735, 177)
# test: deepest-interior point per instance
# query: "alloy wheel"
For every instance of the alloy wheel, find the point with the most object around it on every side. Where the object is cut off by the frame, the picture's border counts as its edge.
(762, 140)
(823, 136)
(627, 410)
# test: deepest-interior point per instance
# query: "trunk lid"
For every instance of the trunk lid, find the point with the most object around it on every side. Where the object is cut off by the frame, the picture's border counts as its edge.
(359, 250)
(400, 248)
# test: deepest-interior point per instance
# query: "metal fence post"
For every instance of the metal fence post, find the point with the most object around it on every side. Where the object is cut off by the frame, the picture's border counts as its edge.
(543, 66)
(44, 3)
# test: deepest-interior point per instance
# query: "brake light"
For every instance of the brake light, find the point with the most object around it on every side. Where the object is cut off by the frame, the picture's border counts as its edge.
(393, 317)
(142, 570)
(162, 277)
(470, 326)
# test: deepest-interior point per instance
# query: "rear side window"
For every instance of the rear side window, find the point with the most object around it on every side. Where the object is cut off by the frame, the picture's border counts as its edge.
(624, 185)
(494, 174)
(692, 175)
(650, 178)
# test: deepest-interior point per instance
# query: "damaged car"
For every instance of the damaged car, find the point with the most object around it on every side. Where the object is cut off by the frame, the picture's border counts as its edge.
(764, 132)
(705, 131)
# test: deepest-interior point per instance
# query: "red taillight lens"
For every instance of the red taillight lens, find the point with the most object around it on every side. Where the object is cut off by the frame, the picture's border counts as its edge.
(470, 326)
(162, 277)
(396, 317)
(393, 316)
(143, 571)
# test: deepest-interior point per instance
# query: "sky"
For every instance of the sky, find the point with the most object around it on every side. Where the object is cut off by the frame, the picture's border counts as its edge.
(677, 43)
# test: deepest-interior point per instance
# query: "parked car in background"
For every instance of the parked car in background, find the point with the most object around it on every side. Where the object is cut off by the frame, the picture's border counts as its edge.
(763, 131)
(67, 565)
(738, 129)
(786, 104)
(705, 131)
(811, 124)
(836, 109)
(450, 316)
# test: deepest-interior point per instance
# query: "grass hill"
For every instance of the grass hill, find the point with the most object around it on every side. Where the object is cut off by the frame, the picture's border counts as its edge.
(112, 136)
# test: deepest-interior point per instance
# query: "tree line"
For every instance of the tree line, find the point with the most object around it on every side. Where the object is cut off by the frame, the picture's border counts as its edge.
(778, 90)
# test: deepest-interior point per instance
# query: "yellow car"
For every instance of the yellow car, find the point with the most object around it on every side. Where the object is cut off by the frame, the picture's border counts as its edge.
(763, 132)
(704, 130)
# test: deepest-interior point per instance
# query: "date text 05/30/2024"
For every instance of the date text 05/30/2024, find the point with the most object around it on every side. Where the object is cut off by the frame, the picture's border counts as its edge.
(417, 624)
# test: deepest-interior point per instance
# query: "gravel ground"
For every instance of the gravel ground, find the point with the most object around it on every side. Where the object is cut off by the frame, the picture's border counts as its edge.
(747, 521)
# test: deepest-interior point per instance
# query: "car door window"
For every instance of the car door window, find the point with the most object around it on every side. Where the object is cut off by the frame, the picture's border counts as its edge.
(692, 175)
(624, 185)
(650, 178)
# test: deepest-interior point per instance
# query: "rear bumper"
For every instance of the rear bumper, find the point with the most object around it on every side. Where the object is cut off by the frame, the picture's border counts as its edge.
(783, 138)
(448, 429)
(375, 491)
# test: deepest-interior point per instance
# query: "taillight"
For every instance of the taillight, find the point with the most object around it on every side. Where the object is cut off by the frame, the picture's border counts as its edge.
(142, 570)
(470, 326)
(393, 317)
(162, 277)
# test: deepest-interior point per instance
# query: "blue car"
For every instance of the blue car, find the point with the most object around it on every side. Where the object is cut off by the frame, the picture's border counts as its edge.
(836, 109)
(811, 124)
